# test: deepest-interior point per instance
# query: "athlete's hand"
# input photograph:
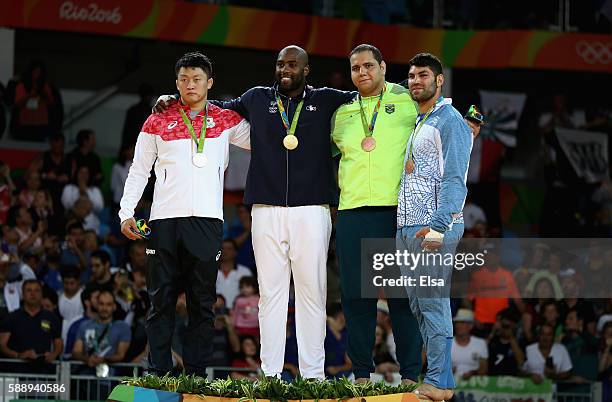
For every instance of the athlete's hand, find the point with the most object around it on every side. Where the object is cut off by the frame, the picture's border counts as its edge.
(474, 127)
(129, 229)
(163, 103)
(429, 243)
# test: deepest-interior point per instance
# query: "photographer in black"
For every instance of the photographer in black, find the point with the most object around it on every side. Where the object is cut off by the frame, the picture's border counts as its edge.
(506, 355)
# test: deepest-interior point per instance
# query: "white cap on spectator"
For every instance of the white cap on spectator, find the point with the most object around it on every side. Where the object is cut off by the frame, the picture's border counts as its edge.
(464, 315)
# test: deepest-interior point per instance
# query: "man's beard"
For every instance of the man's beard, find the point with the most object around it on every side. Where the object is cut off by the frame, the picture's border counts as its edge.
(426, 94)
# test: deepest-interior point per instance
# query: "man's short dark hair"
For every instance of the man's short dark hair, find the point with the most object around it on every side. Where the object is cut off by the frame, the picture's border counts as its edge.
(333, 309)
(194, 59)
(364, 47)
(509, 314)
(74, 225)
(50, 294)
(107, 292)
(86, 296)
(248, 281)
(70, 272)
(545, 325)
(232, 241)
(56, 136)
(427, 60)
(83, 136)
(102, 256)
(579, 315)
(28, 282)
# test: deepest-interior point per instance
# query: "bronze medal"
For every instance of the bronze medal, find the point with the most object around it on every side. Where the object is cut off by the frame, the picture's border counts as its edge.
(409, 166)
(368, 144)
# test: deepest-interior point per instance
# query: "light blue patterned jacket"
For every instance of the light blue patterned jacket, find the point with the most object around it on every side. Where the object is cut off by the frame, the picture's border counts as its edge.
(434, 193)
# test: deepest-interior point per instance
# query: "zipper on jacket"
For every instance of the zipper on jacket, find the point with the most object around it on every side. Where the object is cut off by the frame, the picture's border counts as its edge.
(287, 160)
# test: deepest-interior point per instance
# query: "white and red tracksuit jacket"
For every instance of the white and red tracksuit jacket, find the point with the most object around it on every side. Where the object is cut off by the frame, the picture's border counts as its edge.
(182, 189)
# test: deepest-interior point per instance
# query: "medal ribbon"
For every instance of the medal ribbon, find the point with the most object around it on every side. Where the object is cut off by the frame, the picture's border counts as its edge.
(368, 129)
(418, 128)
(285, 117)
(199, 144)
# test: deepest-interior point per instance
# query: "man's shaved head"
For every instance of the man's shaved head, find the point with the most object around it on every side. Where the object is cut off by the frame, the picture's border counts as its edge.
(300, 54)
(291, 70)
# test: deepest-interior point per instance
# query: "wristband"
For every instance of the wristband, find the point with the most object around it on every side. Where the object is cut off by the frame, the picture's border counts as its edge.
(434, 236)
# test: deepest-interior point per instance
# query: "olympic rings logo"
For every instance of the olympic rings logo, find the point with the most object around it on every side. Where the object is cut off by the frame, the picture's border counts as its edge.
(595, 52)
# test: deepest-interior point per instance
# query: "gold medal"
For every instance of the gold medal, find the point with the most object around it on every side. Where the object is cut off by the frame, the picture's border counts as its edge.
(368, 144)
(409, 166)
(290, 142)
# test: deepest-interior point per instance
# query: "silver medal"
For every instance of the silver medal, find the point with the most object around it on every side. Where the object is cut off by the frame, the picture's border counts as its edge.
(199, 160)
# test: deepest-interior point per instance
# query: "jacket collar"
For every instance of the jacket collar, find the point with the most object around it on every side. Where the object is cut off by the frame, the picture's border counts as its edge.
(305, 93)
(187, 109)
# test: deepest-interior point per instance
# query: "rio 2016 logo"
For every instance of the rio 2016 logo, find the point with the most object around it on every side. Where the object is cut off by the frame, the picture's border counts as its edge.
(91, 13)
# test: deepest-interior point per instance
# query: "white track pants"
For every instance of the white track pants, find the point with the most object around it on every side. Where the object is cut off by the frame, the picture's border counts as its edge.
(292, 240)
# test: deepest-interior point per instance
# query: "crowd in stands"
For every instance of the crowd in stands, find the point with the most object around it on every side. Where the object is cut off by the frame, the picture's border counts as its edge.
(590, 16)
(72, 287)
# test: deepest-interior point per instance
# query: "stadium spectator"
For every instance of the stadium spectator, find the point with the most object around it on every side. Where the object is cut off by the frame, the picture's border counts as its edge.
(84, 155)
(44, 210)
(585, 308)
(136, 115)
(605, 356)
(534, 261)
(291, 364)
(50, 301)
(384, 363)
(82, 186)
(241, 233)
(581, 346)
(89, 301)
(73, 250)
(31, 333)
(337, 363)
(32, 180)
(248, 358)
(50, 267)
(469, 353)
(472, 213)
(230, 273)
(137, 257)
(549, 315)
(490, 291)
(226, 340)
(605, 317)
(6, 190)
(547, 359)
(102, 340)
(384, 321)
(246, 308)
(101, 278)
(506, 356)
(122, 290)
(70, 305)
(11, 289)
(29, 267)
(137, 314)
(56, 170)
(120, 172)
(28, 239)
(37, 106)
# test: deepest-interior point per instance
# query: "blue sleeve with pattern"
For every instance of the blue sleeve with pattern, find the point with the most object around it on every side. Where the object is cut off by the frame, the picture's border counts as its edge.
(456, 141)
